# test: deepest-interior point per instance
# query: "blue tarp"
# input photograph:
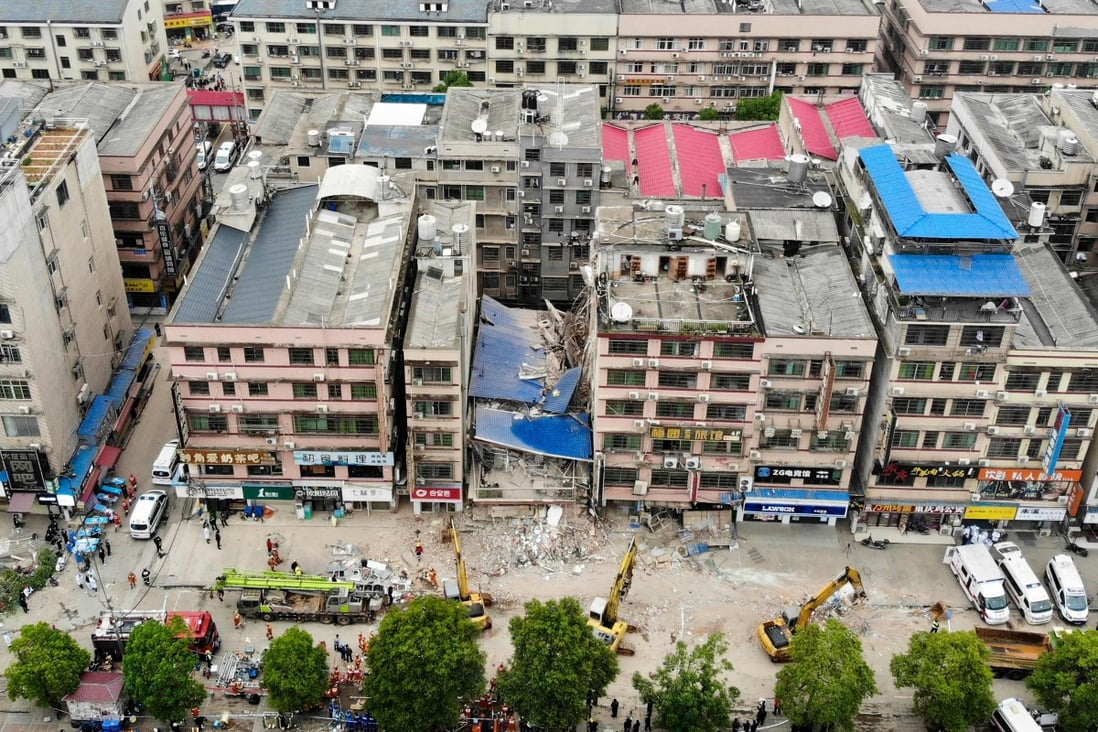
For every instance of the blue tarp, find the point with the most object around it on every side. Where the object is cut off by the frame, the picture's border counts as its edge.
(135, 354)
(503, 345)
(797, 494)
(560, 396)
(1013, 6)
(911, 220)
(565, 436)
(81, 463)
(91, 428)
(948, 275)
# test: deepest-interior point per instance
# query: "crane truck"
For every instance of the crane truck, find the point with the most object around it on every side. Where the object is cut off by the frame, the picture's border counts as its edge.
(776, 635)
(458, 589)
(603, 615)
(283, 596)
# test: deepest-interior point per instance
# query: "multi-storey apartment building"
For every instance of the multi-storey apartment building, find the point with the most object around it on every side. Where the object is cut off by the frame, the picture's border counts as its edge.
(403, 45)
(970, 321)
(437, 353)
(63, 320)
(108, 40)
(282, 345)
(184, 20)
(145, 141)
(940, 47)
(1023, 139)
(531, 159)
(688, 56)
(727, 371)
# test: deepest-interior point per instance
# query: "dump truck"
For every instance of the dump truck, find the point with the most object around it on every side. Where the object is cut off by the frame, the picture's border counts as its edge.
(1014, 653)
(300, 598)
(776, 635)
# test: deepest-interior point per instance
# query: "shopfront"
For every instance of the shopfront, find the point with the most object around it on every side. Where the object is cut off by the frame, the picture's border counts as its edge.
(918, 515)
(792, 505)
(990, 514)
(368, 496)
(447, 496)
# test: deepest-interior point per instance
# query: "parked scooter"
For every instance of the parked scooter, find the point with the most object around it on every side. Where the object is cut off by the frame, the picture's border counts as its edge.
(205, 53)
(1075, 548)
(872, 543)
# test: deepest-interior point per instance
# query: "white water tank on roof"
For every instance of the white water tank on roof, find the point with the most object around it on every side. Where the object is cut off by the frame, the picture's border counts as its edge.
(732, 230)
(1036, 214)
(461, 234)
(712, 226)
(428, 228)
(798, 168)
(918, 112)
(238, 195)
(313, 138)
(674, 216)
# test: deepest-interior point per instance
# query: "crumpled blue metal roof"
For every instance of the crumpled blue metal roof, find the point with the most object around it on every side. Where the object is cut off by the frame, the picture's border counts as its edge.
(135, 354)
(560, 396)
(911, 220)
(978, 275)
(504, 344)
(80, 464)
(92, 424)
(561, 436)
(120, 386)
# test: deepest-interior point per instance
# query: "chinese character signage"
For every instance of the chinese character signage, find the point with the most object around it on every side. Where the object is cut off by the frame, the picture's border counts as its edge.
(905, 471)
(437, 493)
(24, 470)
(785, 474)
(1056, 439)
(795, 509)
(226, 457)
(269, 492)
(990, 513)
(694, 433)
(1030, 475)
(321, 457)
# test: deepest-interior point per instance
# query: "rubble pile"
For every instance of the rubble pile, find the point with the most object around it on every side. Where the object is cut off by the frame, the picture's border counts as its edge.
(530, 542)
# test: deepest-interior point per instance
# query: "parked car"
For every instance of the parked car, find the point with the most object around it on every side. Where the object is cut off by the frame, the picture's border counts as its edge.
(222, 60)
(174, 53)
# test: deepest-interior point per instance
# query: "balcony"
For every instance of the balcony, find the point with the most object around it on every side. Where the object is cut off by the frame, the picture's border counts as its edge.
(955, 310)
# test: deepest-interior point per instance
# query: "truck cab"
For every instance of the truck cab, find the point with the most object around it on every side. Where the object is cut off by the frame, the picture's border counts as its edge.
(981, 580)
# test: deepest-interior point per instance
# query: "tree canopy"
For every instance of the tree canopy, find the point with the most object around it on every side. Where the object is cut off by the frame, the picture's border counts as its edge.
(951, 678)
(654, 111)
(47, 665)
(827, 679)
(557, 660)
(453, 77)
(295, 671)
(1066, 680)
(158, 668)
(423, 662)
(766, 108)
(709, 114)
(687, 692)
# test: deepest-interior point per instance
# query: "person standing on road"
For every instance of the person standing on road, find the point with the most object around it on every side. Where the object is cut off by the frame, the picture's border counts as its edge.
(159, 546)
(736, 725)
(419, 551)
(628, 723)
(270, 546)
(224, 519)
(107, 546)
(146, 577)
(777, 707)
(23, 602)
(238, 622)
(92, 584)
(614, 709)
(217, 538)
(79, 580)
(132, 578)
(102, 554)
(206, 531)
(270, 632)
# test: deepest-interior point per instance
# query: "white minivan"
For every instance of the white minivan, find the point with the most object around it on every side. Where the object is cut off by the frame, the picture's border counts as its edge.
(226, 155)
(1022, 584)
(1066, 587)
(148, 511)
(1012, 716)
(164, 466)
(204, 151)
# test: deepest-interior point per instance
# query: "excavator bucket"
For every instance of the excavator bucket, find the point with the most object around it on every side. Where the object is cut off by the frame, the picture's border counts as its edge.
(938, 610)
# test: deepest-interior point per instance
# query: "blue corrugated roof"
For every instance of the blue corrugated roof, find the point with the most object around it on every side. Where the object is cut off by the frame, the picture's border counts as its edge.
(81, 463)
(911, 220)
(560, 396)
(943, 275)
(340, 144)
(1013, 6)
(135, 354)
(120, 384)
(211, 278)
(798, 493)
(263, 276)
(98, 413)
(503, 345)
(565, 436)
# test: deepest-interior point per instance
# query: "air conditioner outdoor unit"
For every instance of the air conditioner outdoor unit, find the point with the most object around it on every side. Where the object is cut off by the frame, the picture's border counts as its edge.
(1002, 396)
(289, 445)
(7, 335)
(896, 391)
(796, 432)
(852, 392)
(964, 461)
(1029, 430)
(1023, 459)
(903, 352)
(840, 464)
(993, 430)
(703, 397)
(653, 363)
(215, 408)
(1092, 399)
(495, 168)
(617, 100)
(983, 462)
(634, 395)
(770, 431)
(755, 455)
(271, 440)
(558, 209)
(670, 463)
(1040, 393)
(640, 487)
(693, 463)
(639, 424)
(211, 376)
(969, 426)
(706, 365)
(983, 394)
(653, 396)
(322, 408)
(237, 409)
(849, 435)
(765, 383)
(588, 182)
(1083, 432)
(318, 377)
(585, 209)
(230, 376)
(24, 410)
(760, 417)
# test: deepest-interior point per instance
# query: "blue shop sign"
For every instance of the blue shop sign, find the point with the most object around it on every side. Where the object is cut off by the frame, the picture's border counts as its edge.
(794, 509)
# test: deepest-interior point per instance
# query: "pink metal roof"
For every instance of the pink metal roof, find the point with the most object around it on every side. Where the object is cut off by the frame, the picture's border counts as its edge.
(654, 162)
(762, 144)
(98, 686)
(615, 146)
(216, 98)
(848, 119)
(700, 160)
(813, 132)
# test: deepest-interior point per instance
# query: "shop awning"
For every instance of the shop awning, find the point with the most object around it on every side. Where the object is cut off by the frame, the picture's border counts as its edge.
(108, 457)
(21, 502)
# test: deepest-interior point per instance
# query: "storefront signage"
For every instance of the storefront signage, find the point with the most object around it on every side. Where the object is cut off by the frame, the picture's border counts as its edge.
(1030, 475)
(362, 494)
(437, 493)
(24, 470)
(226, 457)
(164, 234)
(322, 457)
(1040, 513)
(269, 492)
(990, 513)
(785, 474)
(47, 499)
(942, 508)
(185, 20)
(309, 492)
(1056, 439)
(693, 433)
(135, 284)
(209, 491)
(906, 471)
(1091, 516)
(794, 509)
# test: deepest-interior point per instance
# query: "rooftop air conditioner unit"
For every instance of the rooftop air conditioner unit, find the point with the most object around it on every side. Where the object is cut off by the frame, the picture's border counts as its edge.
(237, 409)
(670, 463)
(318, 377)
(215, 408)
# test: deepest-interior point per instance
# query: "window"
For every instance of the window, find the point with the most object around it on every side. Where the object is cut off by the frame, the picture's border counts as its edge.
(726, 412)
(988, 336)
(568, 44)
(390, 31)
(920, 370)
(343, 424)
(622, 442)
(678, 380)
(782, 367)
(21, 426)
(1004, 447)
(418, 31)
(62, 193)
(818, 69)
(905, 438)
(909, 405)
(959, 441)
(505, 66)
(567, 68)
(198, 388)
(429, 408)
(432, 374)
(926, 335)
(204, 422)
(730, 382)
(363, 391)
(15, 389)
(276, 27)
(505, 43)
(1035, 44)
(1012, 416)
(977, 43)
(628, 346)
(783, 401)
(360, 357)
(600, 43)
(834, 442)
(665, 43)
(622, 377)
(254, 354)
(968, 408)
(1022, 380)
(779, 439)
(305, 391)
(257, 389)
(624, 408)
(734, 350)
(679, 348)
(194, 354)
(976, 372)
(302, 356)
(849, 369)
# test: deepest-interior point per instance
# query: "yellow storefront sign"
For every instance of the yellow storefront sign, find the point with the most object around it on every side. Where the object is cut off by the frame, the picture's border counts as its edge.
(185, 21)
(990, 513)
(139, 285)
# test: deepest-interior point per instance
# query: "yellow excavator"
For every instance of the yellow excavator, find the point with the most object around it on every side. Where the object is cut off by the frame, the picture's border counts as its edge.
(775, 635)
(458, 589)
(603, 617)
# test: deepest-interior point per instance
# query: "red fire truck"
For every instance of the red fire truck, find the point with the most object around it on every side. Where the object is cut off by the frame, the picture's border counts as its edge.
(113, 631)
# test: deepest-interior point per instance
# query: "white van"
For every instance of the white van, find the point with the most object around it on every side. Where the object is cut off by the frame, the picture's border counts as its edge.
(164, 466)
(204, 152)
(226, 154)
(981, 580)
(1012, 716)
(1066, 587)
(1022, 584)
(148, 511)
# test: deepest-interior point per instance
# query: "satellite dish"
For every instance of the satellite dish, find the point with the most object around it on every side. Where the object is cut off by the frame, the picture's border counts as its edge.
(821, 199)
(1002, 188)
(558, 139)
(798, 329)
(480, 126)
(621, 312)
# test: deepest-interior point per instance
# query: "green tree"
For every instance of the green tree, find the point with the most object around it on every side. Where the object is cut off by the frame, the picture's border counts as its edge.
(557, 660)
(766, 108)
(687, 692)
(47, 666)
(653, 111)
(453, 77)
(158, 668)
(827, 679)
(295, 671)
(1066, 680)
(422, 663)
(951, 678)
(709, 114)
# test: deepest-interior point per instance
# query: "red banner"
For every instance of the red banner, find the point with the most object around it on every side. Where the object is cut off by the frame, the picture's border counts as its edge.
(437, 494)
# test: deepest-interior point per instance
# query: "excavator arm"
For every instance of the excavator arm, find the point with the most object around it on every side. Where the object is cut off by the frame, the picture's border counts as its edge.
(849, 576)
(462, 575)
(621, 584)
